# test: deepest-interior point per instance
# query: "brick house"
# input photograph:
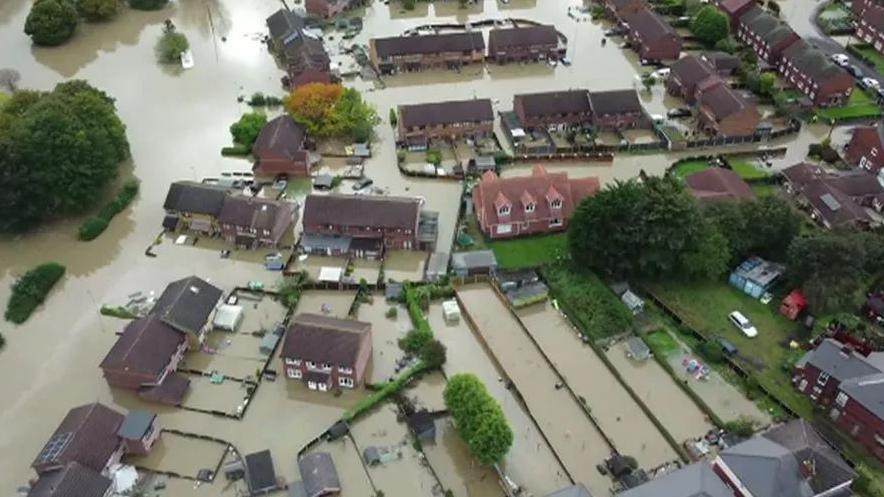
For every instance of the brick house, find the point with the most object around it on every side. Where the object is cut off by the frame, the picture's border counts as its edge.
(415, 53)
(809, 70)
(192, 206)
(870, 22)
(835, 199)
(619, 10)
(325, 352)
(734, 10)
(652, 37)
(280, 150)
(866, 148)
(849, 386)
(767, 35)
(187, 305)
(541, 203)
(685, 75)
(617, 109)
(717, 184)
(724, 112)
(553, 109)
(72, 480)
(520, 44)
(330, 8)
(301, 51)
(139, 432)
(723, 63)
(421, 123)
(252, 222)
(363, 226)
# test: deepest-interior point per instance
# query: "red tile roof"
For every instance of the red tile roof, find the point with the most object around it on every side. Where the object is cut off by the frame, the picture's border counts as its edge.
(87, 435)
(718, 184)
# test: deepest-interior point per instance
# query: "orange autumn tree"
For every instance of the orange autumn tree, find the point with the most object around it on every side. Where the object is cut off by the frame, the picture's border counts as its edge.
(313, 105)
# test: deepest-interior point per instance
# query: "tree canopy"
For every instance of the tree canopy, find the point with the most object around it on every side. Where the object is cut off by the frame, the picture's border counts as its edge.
(647, 229)
(710, 25)
(171, 45)
(764, 227)
(246, 130)
(58, 150)
(478, 417)
(97, 10)
(51, 22)
(330, 110)
(148, 4)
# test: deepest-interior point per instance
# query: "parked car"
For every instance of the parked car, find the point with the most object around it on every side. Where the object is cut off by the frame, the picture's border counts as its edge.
(662, 73)
(880, 92)
(362, 183)
(854, 70)
(870, 83)
(679, 112)
(566, 61)
(743, 324)
(840, 59)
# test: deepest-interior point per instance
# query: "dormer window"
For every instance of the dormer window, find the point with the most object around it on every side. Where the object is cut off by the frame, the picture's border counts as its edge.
(529, 207)
(556, 203)
(504, 210)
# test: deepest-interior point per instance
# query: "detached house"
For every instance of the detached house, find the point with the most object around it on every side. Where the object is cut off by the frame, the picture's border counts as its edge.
(326, 352)
(620, 10)
(421, 123)
(652, 37)
(280, 150)
(866, 148)
(251, 222)
(685, 75)
(364, 226)
(415, 53)
(809, 70)
(617, 109)
(767, 35)
(192, 206)
(302, 52)
(554, 109)
(724, 112)
(530, 205)
(836, 199)
(870, 22)
(187, 305)
(520, 44)
(850, 387)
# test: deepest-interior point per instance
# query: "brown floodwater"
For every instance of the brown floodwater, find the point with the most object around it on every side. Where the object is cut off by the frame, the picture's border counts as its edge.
(579, 445)
(631, 431)
(177, 122)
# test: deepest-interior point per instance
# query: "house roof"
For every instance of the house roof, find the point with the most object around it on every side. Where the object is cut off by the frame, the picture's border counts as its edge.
(283, 23)
(577, 490)
(170, 392)
(136, 425)
(691, 70)
(812, 62)
(144, 348)
(428, 44)
(695, 480)
(874, 15)
(73, 480)
(843, 364)
(322, 339)
(87, 435)
(527, 36)
(260, 472)
(544, 187)
(721, 60)
(731, 7)
(717, 184)
(868, 391)
(421, 422)
(186, 304)
(196, 198)
(650, 26)
(473, 259)
(253, 212)
(445, 113)
(870, 136)
(362, 210)
(552, 103)
(620, 5)
(721, 102)
(280, 136)
(613, 102)
(805, 444)
(319, 474)
(767, 469)
(769, 28)
(836, 196)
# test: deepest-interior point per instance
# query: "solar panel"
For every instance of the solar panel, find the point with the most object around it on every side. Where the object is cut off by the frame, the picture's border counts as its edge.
(55, 445)
(830, 202)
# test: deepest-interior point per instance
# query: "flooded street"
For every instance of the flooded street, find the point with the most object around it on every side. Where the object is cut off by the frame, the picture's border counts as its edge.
(578, 443)
(177, 122)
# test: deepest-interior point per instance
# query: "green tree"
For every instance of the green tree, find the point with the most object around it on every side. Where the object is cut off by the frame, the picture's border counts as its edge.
(408, 4)
(51, 22)
(58, 151)
(478, 418)
(727, 44)
(354, 117)
(394, 118)
(764, 227)
(246, 130)
(148, 4)
(766, 83)
(710, 25)
(171, 45)
(433, 353)
(97, 10)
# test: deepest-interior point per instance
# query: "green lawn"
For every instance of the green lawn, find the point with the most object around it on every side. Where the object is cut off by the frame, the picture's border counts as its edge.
(588, 302)
(705, 306)
(763, 189)
(529, 252)
(873, 55)
(688, 168)
(859, 106)
(3, 98)
(662, 343)
(747, 170)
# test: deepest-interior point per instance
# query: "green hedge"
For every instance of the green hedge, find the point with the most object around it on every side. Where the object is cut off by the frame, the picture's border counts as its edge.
(95, 225)
(384, 392)
(236, 151)
(30, 291)
(592, 306)
(117, 312)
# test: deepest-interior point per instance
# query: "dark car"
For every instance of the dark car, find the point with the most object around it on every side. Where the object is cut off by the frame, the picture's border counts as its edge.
(855, 70)
(679, 112)
(362, 183)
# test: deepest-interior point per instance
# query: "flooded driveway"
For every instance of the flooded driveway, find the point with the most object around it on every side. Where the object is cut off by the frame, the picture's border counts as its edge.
(619, 416)
(565, 424)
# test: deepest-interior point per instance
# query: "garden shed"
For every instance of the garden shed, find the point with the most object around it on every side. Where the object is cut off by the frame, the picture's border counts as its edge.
(633, 302)
(451, 311)
(228, 317)
(755, 276)
(423, 425)
(528, 294)
(637, 350)
(793, 305)
(475, 262)
(437, 266)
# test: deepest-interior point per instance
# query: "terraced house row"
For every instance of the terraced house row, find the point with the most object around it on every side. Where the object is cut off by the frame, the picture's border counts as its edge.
(452, 50)
(779, 47)
(646, 32)
(870, 22)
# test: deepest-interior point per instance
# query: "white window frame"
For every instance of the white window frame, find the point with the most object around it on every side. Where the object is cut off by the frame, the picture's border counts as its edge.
(530, 207)
(556, 222)
(292, 362)
(345, 370)
(311, 364)
(841, 399)
(294, 373)
(556, 203)
(503, 211)
(822, 379)
(345, 381)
